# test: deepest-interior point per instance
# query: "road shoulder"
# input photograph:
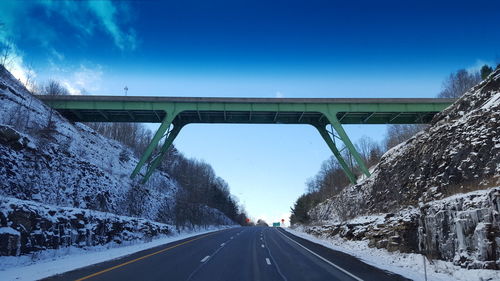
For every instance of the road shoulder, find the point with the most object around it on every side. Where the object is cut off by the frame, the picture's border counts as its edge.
(405, 264)
(68, 259)
(356, 266)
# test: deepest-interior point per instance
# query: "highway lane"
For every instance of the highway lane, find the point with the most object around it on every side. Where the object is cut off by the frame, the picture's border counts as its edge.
(243, 253)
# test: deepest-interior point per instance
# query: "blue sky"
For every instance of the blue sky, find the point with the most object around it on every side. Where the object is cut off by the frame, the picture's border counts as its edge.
(253, 49)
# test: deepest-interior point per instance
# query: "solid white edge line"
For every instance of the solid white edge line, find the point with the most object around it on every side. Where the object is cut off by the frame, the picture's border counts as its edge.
(222, 245)
(205, 259)
(268, 261)
(323, 259)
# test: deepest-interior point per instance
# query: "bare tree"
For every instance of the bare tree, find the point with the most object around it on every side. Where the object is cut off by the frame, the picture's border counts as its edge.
(6, 53)
(134, 135)
(30, 82)
(6, 50)
(53, 88)
(397, 134)
(458, 83)
(369, 150)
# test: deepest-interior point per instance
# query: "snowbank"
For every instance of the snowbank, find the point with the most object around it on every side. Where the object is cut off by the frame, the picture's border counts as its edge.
(52, 262)
(408, 265)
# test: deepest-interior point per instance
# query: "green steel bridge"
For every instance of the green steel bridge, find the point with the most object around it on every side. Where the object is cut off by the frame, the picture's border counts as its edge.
(326, 114)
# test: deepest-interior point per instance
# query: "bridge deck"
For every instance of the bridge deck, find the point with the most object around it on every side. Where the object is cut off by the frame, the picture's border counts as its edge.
(179, 111)
(246, 110)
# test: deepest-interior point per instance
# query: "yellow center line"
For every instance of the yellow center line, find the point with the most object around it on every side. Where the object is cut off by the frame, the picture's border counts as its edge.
(143, 257)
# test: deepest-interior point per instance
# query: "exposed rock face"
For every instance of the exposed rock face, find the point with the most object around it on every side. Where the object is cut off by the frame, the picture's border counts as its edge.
(27, 227)
(12, 138)
(464, 228)
(458, 153)
(390, 231)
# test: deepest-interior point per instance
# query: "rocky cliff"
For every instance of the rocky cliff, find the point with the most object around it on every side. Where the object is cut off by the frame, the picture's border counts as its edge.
(458, 152)
(27, 227)
(463, 228)
(410, 188)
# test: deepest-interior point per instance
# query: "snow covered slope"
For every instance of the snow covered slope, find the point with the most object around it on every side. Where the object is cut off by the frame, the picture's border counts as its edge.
(435, 194)
(459, 152)
(68, 164)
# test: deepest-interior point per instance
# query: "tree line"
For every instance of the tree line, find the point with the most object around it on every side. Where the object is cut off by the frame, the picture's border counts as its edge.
(201, 187)
(331, 179)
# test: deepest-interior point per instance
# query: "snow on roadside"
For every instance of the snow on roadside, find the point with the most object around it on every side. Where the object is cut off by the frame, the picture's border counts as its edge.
(408, 265)
(54, 262)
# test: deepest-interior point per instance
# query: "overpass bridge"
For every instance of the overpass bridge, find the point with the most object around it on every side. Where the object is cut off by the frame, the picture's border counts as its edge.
(326, 114)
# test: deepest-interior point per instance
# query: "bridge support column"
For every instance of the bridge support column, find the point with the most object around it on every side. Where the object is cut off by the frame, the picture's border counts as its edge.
(165, 125)
(328, 139)
(172, 134)
(342, 135)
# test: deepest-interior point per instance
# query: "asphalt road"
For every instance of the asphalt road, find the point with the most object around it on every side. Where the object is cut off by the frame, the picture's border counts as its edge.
(237, 254)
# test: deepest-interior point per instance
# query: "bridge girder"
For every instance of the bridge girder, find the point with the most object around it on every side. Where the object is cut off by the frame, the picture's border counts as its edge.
(175, 113)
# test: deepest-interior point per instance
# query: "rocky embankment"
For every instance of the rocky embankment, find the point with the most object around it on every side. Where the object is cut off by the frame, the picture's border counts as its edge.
(27, 227)
(436, 193)
(463, 228)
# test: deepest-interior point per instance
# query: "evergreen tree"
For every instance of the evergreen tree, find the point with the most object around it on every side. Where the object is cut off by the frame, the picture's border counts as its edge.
(485, 71)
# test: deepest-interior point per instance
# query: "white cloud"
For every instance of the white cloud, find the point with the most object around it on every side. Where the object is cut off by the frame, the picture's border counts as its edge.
(70, 87)
(14, 63)
(87, 78)
(17, 68)
(279, 95)
(84, 79)
(106, 12)
(85, 16)
(56, 54)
